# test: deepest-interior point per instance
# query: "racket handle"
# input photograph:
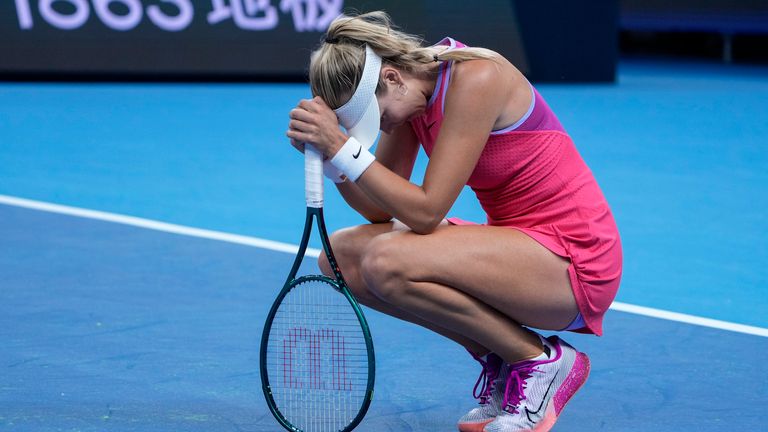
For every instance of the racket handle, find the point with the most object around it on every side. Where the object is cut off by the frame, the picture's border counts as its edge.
(313, 176)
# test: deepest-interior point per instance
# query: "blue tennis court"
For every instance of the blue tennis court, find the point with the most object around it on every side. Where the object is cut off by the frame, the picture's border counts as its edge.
(146, 229)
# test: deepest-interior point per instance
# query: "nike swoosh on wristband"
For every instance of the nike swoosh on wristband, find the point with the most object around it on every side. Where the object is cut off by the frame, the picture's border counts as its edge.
(529, 412)
(358, 152)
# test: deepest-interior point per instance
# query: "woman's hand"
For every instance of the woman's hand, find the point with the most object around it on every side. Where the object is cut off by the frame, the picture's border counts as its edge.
(313, 121)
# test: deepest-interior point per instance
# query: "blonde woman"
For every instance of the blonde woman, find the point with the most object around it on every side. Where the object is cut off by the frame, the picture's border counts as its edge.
(549, 256)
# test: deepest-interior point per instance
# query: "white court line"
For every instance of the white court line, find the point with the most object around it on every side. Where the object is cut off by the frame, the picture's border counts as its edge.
(690, 319)
(292, 249)
(156, 225)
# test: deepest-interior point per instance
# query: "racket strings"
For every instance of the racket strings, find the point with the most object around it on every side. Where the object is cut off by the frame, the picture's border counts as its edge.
(317, 358)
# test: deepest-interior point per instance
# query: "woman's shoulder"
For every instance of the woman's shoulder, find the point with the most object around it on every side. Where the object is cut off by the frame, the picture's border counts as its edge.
(477, 78)
(497, 74)
(476, 70)
(494, 85)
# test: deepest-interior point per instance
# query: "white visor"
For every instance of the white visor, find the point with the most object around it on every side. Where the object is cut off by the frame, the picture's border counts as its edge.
(360, 116)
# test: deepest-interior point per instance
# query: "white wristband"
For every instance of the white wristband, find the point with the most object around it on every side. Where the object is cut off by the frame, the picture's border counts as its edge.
(332, 172)
(353, 159)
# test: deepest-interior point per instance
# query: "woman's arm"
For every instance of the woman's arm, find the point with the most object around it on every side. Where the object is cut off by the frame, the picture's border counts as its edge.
(478, 94)
(476, 100)
(397, 152)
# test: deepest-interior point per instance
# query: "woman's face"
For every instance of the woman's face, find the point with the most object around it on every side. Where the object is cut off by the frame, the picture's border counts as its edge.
(399, 100)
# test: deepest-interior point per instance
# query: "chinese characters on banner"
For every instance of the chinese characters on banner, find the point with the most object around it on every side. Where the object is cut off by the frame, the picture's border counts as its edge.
(252, 15)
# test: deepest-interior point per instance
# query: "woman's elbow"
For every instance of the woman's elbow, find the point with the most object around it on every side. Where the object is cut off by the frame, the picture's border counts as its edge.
(426, 225)
(377, 218)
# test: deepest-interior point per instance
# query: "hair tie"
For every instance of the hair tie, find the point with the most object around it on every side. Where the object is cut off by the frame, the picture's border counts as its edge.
(436, 59)
(331, 41)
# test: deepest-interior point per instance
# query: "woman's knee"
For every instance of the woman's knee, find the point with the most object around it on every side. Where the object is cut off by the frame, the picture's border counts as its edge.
(382, 267)
(345, 245)
(349, 246)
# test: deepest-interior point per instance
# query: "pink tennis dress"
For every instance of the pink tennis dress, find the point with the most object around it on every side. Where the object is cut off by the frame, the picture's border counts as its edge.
(531, 178)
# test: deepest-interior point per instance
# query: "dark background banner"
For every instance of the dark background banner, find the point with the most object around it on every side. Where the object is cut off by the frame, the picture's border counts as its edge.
(272, 39)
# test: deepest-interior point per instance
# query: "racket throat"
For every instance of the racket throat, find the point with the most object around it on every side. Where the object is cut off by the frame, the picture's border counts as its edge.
(315, 214)
(326, 242)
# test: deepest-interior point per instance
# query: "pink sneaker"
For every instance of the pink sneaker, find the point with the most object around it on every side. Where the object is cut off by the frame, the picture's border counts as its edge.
(491, 394)
(537, 390)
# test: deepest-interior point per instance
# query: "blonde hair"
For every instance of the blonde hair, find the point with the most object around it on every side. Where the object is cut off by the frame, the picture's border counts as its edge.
(336, 67)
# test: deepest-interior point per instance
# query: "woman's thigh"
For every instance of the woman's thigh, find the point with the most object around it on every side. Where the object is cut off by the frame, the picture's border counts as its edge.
(502, 267)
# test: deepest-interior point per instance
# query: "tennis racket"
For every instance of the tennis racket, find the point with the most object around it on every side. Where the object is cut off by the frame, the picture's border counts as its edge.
(316, 359)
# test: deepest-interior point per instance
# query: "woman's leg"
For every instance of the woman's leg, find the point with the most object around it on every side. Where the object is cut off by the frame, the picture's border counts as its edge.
(474, 284)
(348, 245)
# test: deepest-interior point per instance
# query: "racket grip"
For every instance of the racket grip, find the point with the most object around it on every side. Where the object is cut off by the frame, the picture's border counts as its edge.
(313, 176)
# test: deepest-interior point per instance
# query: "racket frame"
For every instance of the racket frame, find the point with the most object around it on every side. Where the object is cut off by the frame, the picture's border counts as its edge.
(316, 213)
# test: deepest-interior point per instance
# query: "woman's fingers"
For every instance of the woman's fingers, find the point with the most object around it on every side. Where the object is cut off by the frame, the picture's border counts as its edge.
(298, 136)
(312, 121)
(301, 114)
(309, 105)
(318, 100)
(302, 126)
(299, 126)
